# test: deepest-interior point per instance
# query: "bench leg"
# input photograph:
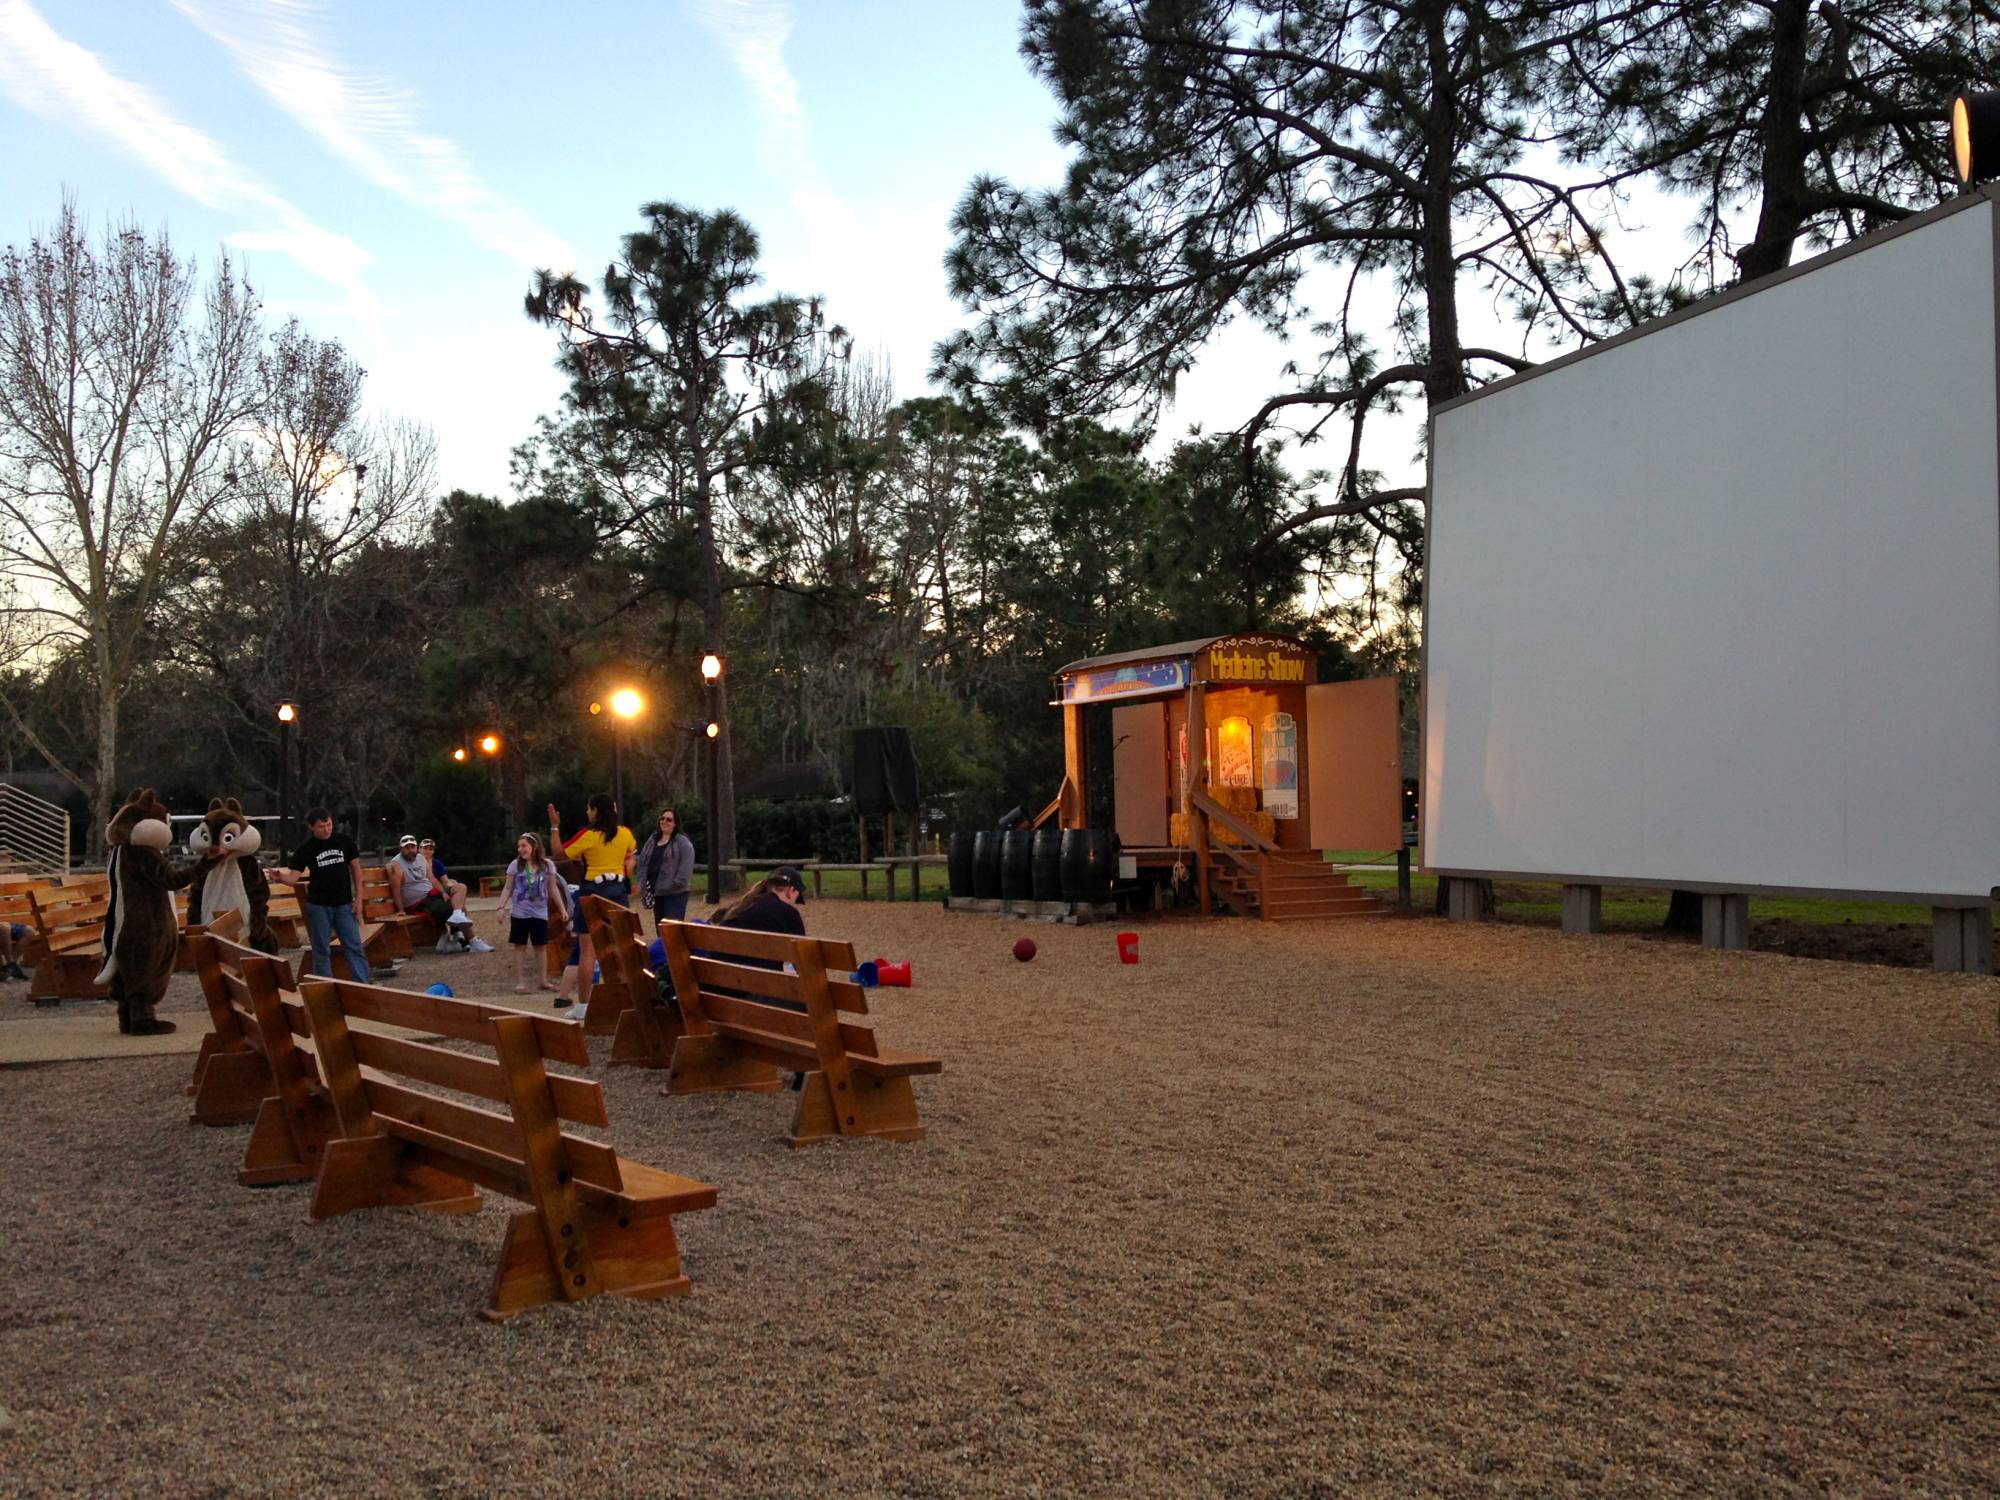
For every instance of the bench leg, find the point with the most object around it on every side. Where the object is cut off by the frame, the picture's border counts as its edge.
(376, 1172)
(606, 1003)
(630, 1256)
(287, 1151)
(211, 1043)
(645, 1040)
(885, 1108)
(231, 1089)
(711, 1064)
(60, 977)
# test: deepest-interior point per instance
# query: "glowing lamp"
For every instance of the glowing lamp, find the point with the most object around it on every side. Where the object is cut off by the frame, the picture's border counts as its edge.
(714, 729)
(1975, 136)
(627, 704)
(711, 667)
(459, 754)
(490, 744)
(287, 712)
(597, 708)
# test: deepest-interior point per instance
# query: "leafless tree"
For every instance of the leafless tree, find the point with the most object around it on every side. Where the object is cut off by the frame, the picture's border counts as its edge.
(123, 381)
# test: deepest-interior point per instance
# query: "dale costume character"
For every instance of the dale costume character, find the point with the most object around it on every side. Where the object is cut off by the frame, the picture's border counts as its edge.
(228, 876)
(139, 927)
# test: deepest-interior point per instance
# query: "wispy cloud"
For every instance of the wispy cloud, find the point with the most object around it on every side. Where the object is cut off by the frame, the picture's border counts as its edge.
(371, 123)
(754, 33)
(67, 83)
(44, 72)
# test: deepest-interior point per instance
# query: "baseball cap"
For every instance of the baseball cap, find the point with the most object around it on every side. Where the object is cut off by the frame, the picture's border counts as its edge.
(407, 841)
(789, 875)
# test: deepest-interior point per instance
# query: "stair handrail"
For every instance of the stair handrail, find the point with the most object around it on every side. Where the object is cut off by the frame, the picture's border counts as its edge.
(1215, 811)
(33, 831)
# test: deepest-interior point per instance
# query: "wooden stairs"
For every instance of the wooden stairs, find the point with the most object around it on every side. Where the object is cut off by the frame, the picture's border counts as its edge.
(1288, 886)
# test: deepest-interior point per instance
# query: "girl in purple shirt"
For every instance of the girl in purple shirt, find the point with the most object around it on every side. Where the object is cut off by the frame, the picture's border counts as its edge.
(532, 884)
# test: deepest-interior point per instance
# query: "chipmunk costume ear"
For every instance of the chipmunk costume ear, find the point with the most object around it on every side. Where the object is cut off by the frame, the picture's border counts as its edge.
(141, 821)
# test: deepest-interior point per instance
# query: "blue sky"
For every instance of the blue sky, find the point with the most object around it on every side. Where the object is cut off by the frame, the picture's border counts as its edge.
(391, 172)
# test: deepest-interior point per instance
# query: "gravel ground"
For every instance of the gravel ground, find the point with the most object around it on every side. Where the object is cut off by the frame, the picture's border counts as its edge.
(1380, 1206)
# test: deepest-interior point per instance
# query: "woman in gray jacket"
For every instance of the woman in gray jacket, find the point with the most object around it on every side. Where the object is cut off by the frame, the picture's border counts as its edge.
(663, 869)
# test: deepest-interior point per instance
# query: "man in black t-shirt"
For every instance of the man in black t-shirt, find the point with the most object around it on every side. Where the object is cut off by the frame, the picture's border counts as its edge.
(328, 865)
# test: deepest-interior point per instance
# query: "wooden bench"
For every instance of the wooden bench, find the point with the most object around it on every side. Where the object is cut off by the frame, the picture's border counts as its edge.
(287, 916)
(229, 925)
(817, 868)
(599, 1223)
(258, 1063)
(70, 923)
(17, 911)
(645, 1029)
(403, 930)
(741, 1023)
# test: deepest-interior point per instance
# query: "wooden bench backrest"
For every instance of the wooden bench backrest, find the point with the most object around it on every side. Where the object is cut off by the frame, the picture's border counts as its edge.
(812, 997)
(377, 898)
(20, 885)
(285, 902)
(250, 997)
(621, 945)
(16, 907)
(368, 1076)
(66, 924)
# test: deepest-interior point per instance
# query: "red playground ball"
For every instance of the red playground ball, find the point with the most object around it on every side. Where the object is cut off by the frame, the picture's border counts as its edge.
(1024, 949)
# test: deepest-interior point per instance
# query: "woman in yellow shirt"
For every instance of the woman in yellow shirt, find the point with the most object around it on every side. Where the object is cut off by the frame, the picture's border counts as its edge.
(604, 845)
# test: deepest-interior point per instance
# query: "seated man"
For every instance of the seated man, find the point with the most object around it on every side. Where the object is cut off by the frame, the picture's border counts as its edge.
(416, 889)
(454, 889)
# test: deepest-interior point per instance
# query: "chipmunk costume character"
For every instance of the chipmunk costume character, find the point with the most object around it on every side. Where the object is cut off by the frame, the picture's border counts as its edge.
(229, 877)
(139, 926)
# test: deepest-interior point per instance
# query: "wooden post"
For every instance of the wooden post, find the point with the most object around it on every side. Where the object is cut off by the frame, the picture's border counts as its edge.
(889, 849)
(1077, 814)
(1197, 731)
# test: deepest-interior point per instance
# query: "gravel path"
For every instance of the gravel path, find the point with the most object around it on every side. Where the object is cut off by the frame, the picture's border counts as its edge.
(1380, 1206)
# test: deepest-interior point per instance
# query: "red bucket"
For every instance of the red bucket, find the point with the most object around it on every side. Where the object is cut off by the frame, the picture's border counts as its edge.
(1128, 947)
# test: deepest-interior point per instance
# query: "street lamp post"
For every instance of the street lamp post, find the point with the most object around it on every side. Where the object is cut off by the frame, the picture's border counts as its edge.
(287, 712)
(711, 674)
(626, 705)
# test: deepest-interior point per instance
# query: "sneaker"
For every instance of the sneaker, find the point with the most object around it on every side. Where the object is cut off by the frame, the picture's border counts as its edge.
(478, 945)
(577, 1012)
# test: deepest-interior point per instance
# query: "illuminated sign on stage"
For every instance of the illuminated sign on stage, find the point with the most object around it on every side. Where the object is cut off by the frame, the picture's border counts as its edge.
(1123, 682)
(1256, 659)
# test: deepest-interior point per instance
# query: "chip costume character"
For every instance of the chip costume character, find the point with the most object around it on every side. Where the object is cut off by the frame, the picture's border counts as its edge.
(139, 926)
(227, 875)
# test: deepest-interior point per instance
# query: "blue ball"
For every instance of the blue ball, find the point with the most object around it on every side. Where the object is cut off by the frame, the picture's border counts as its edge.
(656, 955)
(443, 990)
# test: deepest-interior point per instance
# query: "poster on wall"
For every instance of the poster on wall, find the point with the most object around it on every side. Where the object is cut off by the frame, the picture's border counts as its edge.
(1235, 753)
(1281, 766)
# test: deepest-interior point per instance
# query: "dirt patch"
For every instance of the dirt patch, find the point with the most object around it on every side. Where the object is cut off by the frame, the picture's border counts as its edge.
(1284, 1208)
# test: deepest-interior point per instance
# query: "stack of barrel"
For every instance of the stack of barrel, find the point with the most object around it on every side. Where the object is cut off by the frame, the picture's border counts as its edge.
(1066, 865)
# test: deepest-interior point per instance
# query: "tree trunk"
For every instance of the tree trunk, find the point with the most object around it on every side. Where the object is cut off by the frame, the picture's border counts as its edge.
(106, 800)
(1440, 267)
(1783, 211)
(722, 816)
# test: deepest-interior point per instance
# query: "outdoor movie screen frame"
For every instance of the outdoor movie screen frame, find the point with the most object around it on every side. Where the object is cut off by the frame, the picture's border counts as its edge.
(1717, 604)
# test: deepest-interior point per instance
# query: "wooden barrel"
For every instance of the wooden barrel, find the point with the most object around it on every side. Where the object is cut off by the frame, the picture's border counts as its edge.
(1089, 861)
(958, 865)
(1017, 882)
(1045, 864)
(986, 866)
